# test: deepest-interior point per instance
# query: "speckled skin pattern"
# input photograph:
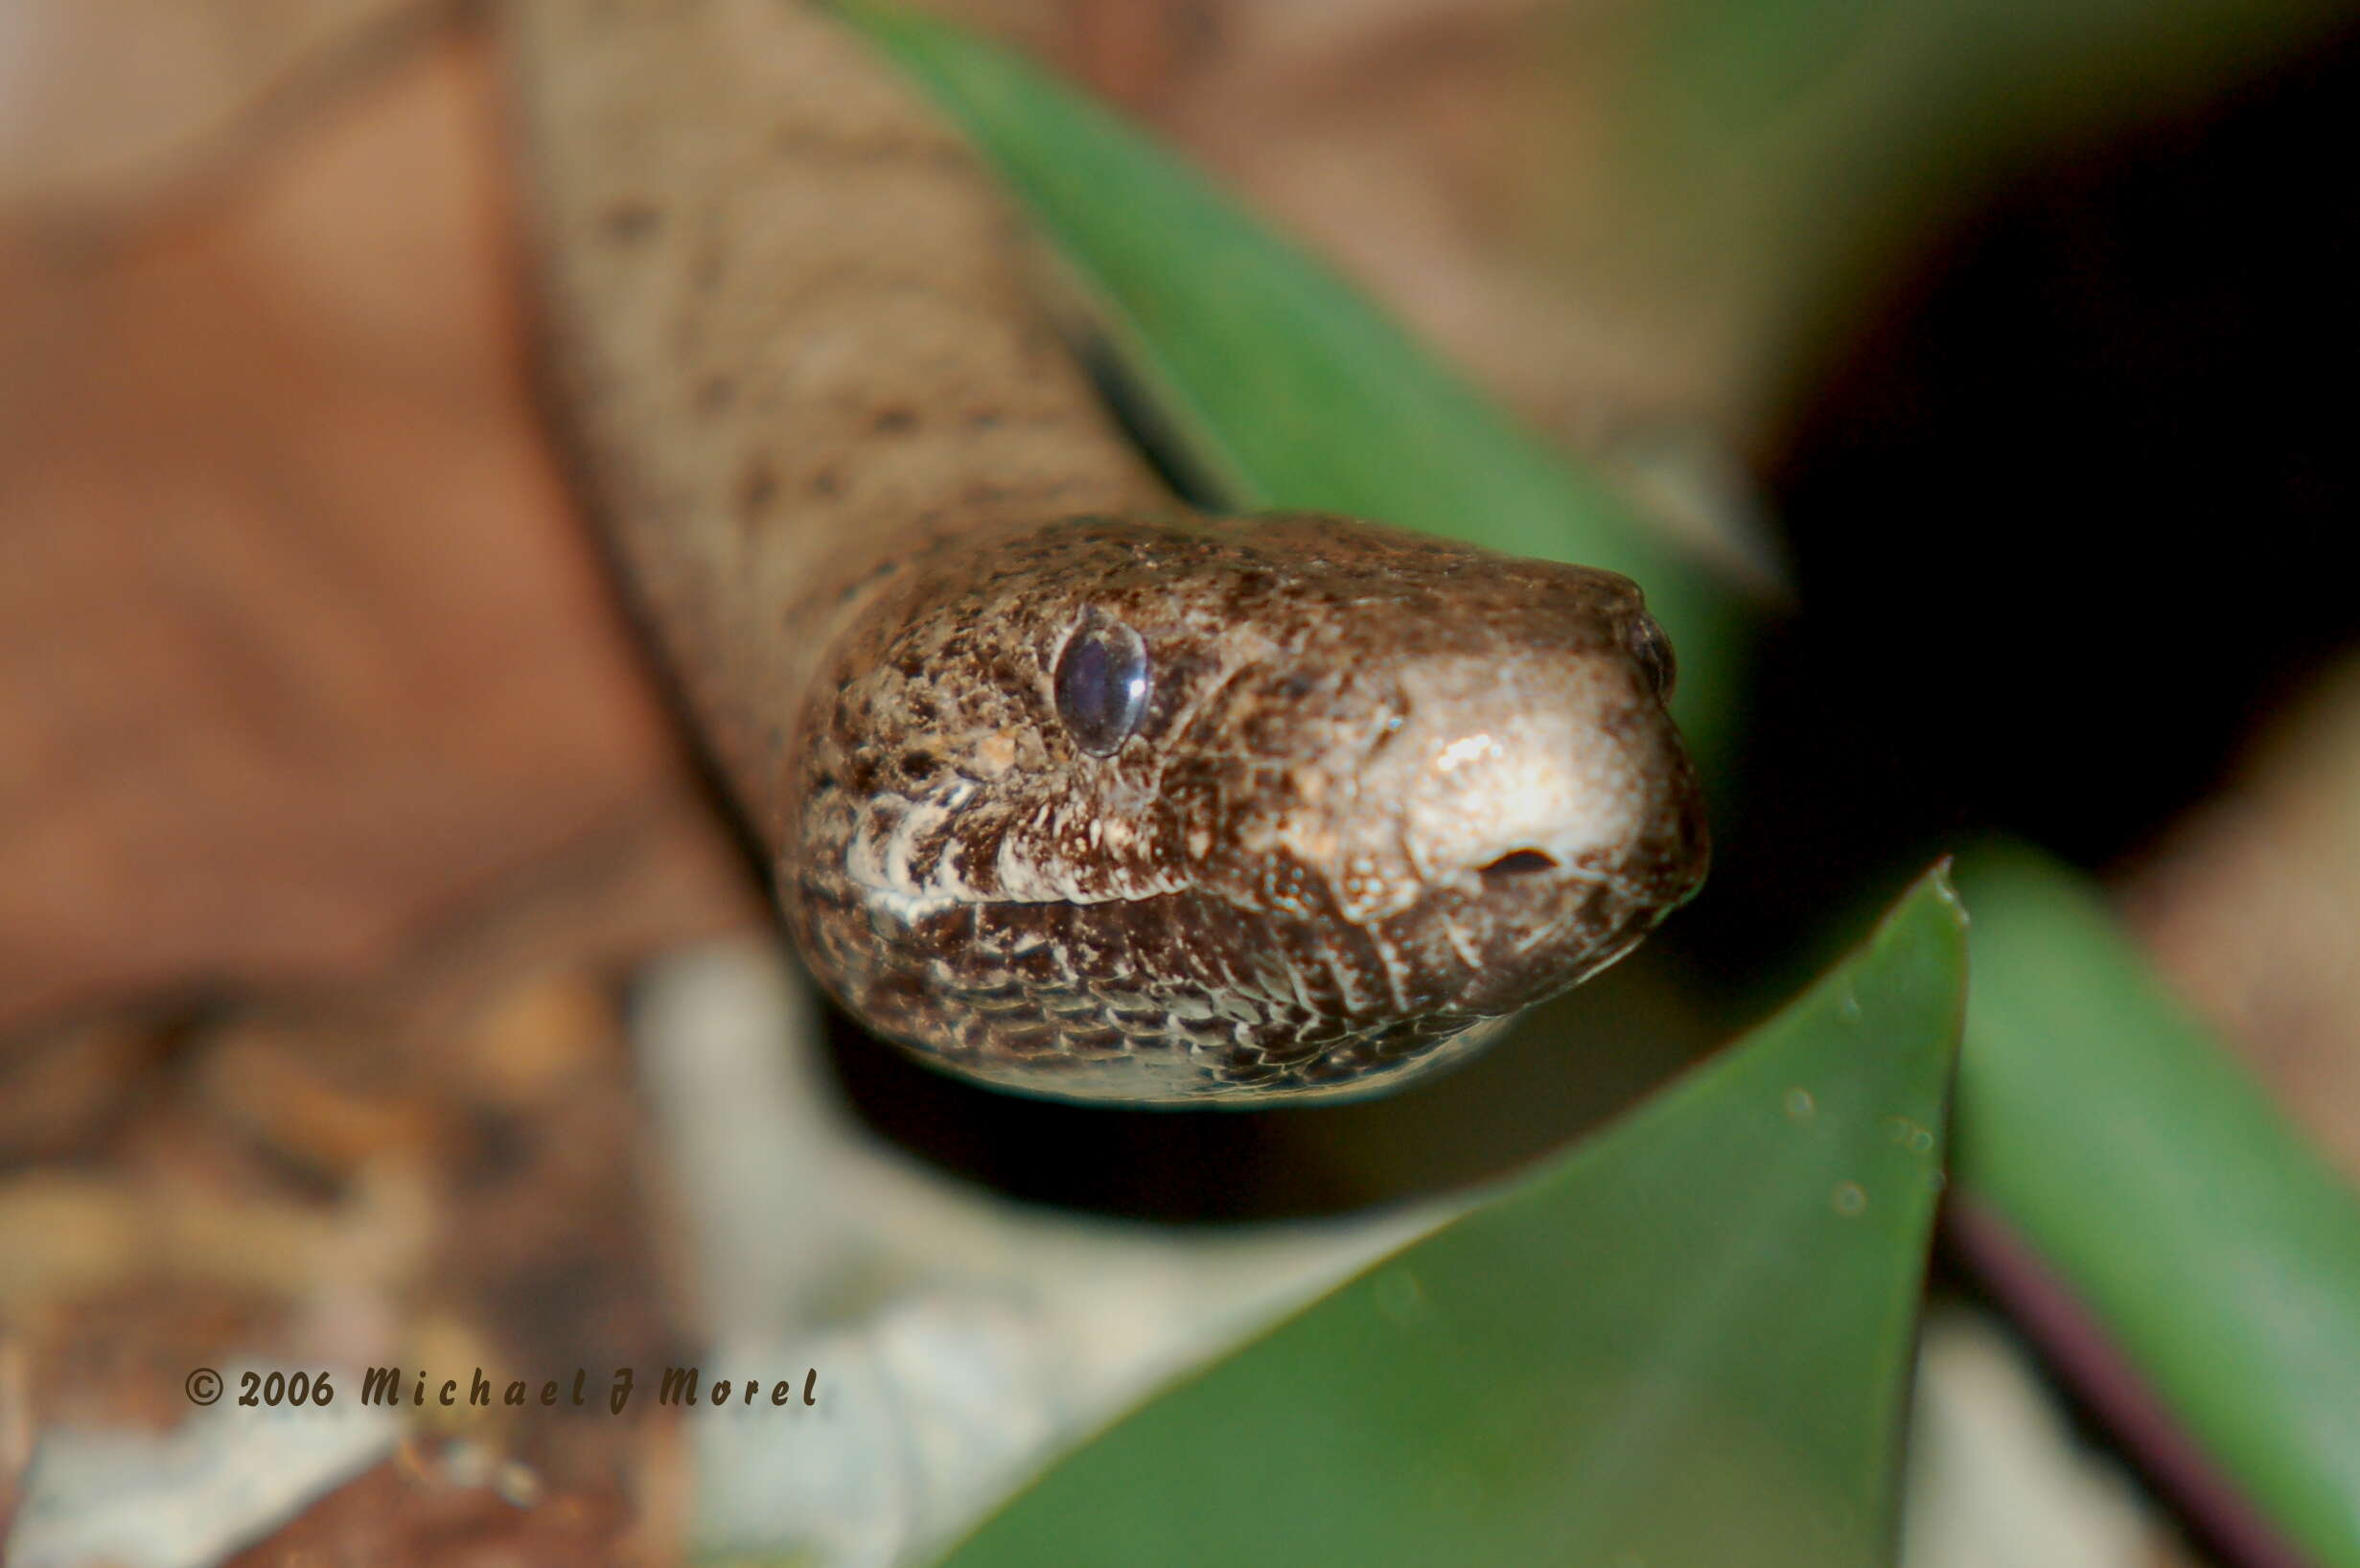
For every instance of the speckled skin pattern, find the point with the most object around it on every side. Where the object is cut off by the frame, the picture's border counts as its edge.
(1276, 886)
(1387, 792)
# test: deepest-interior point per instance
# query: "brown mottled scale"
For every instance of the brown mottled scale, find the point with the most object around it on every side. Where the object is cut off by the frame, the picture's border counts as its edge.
(1381, 791)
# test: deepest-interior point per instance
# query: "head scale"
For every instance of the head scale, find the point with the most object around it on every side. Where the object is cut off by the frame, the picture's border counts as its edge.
(1286, 806)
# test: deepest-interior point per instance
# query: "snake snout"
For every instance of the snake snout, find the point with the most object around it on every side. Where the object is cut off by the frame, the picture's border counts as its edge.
(1550, 814)
(1511, 788)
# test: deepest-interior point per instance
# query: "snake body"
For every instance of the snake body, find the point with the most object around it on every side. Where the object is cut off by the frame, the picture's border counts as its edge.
(1068, 789)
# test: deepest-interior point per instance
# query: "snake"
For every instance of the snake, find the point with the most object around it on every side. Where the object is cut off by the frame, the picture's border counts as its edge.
(1066, 787)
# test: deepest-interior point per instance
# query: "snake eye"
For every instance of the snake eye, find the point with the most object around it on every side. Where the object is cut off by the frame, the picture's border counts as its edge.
(1654, 652)
(1102, 685)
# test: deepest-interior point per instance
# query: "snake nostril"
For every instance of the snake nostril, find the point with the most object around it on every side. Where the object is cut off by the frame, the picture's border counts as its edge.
(1517, 862)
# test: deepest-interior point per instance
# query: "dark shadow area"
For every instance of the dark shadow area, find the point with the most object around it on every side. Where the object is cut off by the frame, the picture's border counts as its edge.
(2064, 519)
(1135, 411)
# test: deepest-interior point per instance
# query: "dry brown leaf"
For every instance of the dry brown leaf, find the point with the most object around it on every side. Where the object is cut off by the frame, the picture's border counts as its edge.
(107, 105)
(420, 1512)
(303, 652)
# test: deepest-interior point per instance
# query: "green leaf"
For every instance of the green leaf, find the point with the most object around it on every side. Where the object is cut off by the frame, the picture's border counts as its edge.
(1686, 1342)
(2166, 1191)
(1288, 387)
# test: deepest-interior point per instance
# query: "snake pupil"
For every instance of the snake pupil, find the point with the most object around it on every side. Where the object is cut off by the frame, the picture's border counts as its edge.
(1102, 685)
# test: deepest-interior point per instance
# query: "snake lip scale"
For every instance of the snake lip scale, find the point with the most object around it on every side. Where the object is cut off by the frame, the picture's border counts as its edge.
(1068, 790)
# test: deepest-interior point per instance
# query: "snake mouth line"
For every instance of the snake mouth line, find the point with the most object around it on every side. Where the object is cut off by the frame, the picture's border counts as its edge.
(1507, 870)
(910, 908)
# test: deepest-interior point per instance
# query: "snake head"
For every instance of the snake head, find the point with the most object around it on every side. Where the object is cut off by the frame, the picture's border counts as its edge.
(1237, 810)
